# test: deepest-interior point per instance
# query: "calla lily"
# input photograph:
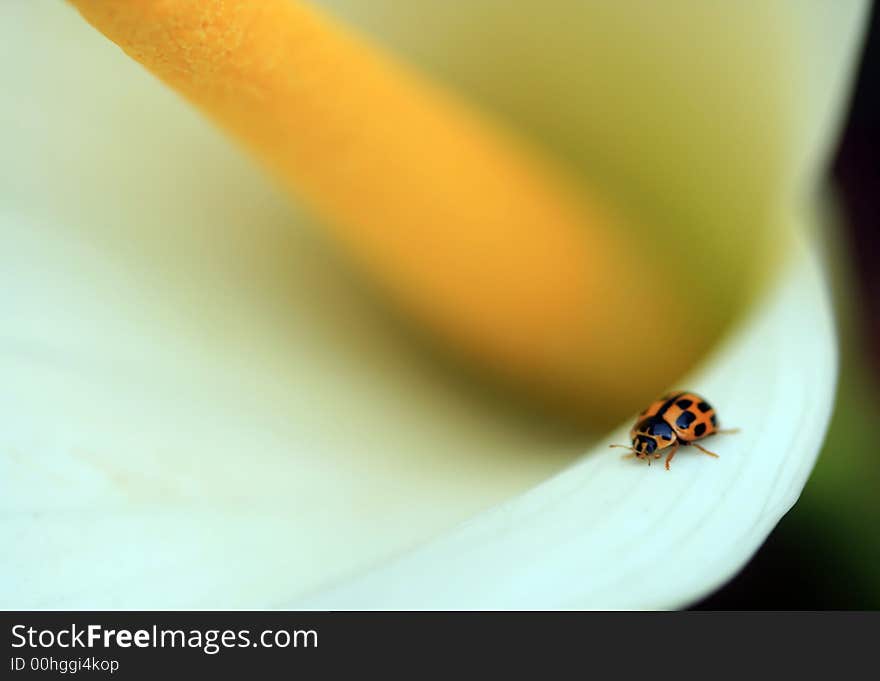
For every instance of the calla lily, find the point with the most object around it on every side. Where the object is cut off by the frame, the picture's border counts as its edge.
(196, 422)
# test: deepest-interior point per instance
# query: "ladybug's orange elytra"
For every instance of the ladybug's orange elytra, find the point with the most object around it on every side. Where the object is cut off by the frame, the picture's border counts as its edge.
(676, 419)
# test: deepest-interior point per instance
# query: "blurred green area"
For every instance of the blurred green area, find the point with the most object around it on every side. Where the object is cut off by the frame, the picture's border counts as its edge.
(825, 553)
(837, 519)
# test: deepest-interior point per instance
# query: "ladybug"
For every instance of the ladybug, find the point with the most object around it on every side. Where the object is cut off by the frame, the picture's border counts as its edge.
(675, 419)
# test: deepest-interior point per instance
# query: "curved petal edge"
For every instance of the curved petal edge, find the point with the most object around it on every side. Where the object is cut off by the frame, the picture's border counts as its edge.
(608, 533)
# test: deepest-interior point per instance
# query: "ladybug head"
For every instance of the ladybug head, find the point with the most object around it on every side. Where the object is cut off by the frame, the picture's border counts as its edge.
(651, 435)
(644, 445)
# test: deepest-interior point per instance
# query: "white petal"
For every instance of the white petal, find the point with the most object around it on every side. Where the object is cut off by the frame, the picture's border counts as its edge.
(234, 442)
(615, 534)
(197, 410)
(151, 466)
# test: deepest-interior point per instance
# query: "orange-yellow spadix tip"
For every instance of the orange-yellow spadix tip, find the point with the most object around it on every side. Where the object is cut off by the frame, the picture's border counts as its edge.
(470, 231)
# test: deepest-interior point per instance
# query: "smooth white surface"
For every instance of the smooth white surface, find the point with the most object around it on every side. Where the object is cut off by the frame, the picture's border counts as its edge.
(615, 534)
(197, 409)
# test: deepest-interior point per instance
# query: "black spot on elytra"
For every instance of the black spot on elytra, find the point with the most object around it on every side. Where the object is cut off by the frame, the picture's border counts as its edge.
(661, 429)
(699, 429)
(703, 407)
(684, 404)
(685, 419)
(714, 420)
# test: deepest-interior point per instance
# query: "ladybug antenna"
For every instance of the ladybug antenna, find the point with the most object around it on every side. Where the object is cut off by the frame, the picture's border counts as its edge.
(632, 453)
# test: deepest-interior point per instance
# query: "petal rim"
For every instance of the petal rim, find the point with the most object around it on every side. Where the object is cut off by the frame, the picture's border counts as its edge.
(531, 552)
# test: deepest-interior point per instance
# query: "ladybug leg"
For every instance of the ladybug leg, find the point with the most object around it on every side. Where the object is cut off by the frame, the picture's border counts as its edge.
(672, 453)
(704, 450)
(726, 431)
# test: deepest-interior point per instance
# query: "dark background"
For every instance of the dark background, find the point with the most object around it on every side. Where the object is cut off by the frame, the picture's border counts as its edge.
(825, 554)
